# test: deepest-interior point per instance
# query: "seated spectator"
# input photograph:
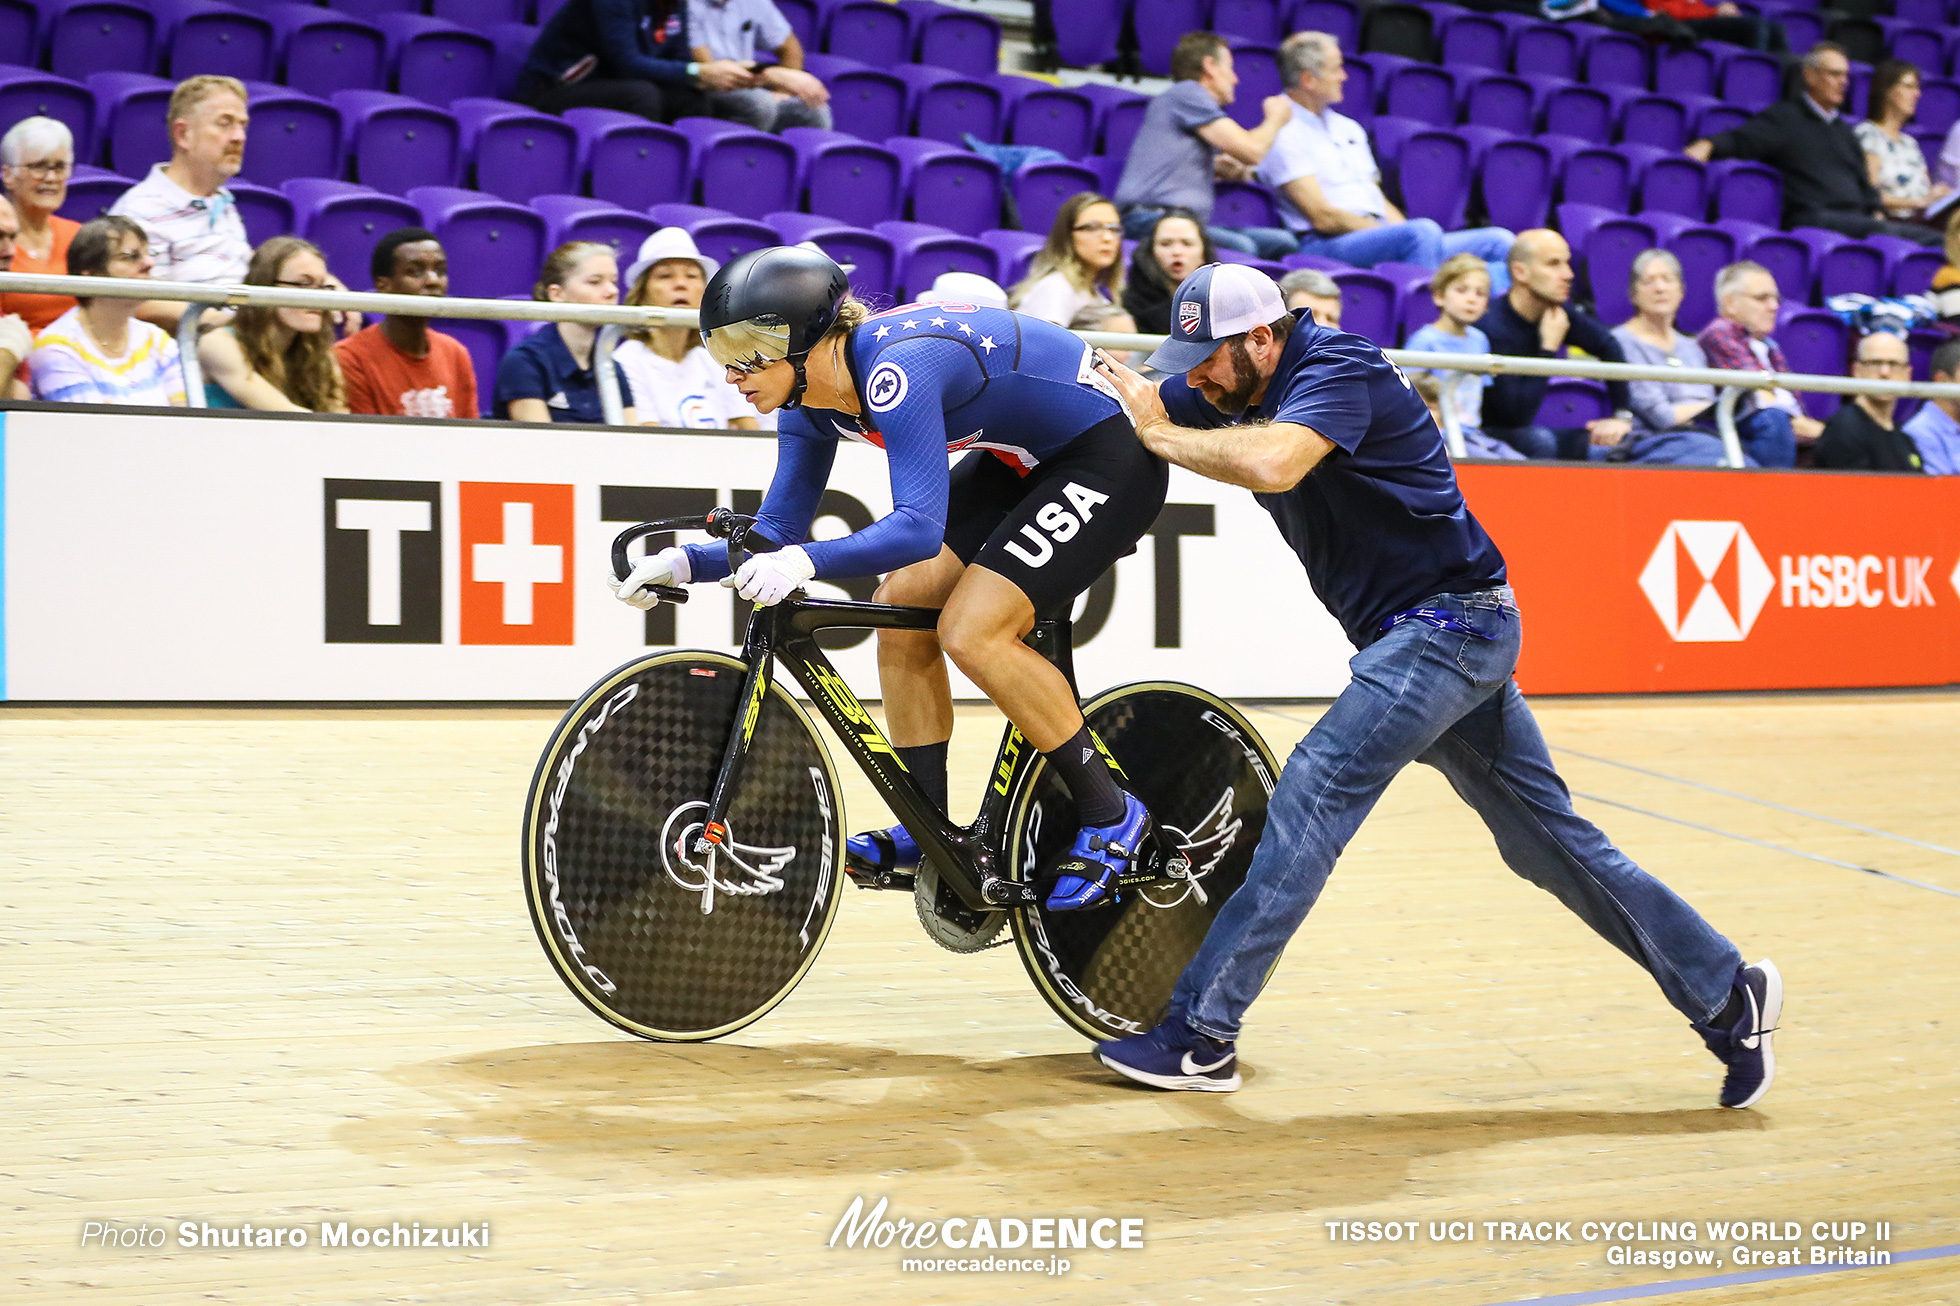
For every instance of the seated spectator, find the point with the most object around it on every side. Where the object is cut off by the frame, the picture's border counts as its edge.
(1672, 420)
(1825, 180)
(964, 288)
(400, 366)
(1946, 171)
(1330, 187)
(1176, 245)
(783, 94)
(1945, 290)
(635, 56)
(1313, 289)
(1935, 428)
(1533, 320)
(1186, 139)
(1103, 316)
(675, 383)
(1861, 435)
(37, 155)
(100, 352)
(1770, 423)
(549, 377)
(189, 217)
(1461, 289)
(16, 339)
(1724, 21)
(1081, 264)
(1896, 163)
(277, 360)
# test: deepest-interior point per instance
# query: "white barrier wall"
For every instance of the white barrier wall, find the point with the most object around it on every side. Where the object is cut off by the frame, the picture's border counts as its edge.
(245, 558)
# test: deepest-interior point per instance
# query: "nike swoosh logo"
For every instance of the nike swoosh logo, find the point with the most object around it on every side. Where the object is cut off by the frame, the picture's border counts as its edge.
(1755, 1022)
(1193, 1068)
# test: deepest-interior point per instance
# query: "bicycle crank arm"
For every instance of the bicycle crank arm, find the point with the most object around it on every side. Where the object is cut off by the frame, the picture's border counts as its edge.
(1003, 892)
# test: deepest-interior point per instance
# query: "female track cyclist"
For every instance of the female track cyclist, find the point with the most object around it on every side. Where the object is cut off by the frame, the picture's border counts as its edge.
(1054, 489)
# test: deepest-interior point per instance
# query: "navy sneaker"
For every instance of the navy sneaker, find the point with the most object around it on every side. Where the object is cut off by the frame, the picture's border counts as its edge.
(1744, 1047)
(1087, 876)
(1174, 1056)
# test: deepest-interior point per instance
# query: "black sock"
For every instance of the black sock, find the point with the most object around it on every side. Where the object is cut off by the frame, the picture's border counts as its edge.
(927, 763)
(1733, 1011)
(1097, 799)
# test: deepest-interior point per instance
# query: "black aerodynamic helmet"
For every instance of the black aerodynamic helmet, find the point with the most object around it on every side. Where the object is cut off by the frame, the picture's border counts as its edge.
(771, 305)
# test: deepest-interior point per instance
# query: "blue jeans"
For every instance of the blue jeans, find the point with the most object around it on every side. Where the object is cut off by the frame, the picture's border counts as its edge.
(1419, 241)
(1270, 243)
(1768, 437)
(1446, 699)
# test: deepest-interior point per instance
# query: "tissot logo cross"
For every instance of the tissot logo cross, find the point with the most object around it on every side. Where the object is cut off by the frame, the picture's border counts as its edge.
(517, 551)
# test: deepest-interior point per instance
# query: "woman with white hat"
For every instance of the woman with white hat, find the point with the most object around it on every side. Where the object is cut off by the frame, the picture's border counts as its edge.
(675, 383)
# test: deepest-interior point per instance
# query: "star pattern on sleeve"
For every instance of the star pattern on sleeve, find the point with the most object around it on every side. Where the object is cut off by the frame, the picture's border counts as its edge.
(939, 321)
(987, 343)
(965, 330)
(881, 333)
(909, 325)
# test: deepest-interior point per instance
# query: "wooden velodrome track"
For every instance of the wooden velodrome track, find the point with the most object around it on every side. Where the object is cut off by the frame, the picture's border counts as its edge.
(275, 967)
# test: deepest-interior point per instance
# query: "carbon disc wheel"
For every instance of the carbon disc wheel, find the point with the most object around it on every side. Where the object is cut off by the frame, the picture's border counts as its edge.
(1205, 775)
(660, 940)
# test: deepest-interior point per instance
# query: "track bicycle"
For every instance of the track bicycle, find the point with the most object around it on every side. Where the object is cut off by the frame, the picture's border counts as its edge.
(684, 831)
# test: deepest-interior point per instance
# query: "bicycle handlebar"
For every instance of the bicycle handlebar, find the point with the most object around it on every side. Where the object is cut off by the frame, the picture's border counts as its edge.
(722, 523)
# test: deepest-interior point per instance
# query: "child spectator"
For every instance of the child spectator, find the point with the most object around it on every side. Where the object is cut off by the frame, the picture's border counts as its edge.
(1461, 291)
(100, 352)
(399, 367)
(549, 377)
(675, 383)
(277, 360)
(1081, 264)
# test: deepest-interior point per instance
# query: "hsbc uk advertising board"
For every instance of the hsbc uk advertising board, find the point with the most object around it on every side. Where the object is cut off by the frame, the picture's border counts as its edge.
(1639, 579)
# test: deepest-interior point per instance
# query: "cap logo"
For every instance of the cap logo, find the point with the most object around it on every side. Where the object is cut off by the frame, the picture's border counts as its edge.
(1188, 315)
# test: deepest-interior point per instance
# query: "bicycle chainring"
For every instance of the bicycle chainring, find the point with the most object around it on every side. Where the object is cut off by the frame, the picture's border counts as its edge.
(949, 922)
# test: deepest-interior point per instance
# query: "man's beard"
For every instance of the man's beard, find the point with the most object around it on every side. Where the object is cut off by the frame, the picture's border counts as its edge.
(1245, 379)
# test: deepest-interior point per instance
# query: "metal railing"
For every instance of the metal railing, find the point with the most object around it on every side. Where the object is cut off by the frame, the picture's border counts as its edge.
(615, 320)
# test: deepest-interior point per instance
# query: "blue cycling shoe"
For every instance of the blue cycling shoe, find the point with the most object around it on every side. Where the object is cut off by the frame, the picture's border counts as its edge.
(882, 859)
(1087, 876)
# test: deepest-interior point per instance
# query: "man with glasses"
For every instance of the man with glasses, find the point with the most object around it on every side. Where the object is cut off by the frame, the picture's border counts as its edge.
(1770, 423)
(1808, 139)
(1861, 435)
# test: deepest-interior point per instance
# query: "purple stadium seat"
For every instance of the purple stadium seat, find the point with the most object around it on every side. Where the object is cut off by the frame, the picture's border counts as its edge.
(1599, 175)
(959, 39)
(577, 217)
(437, 61)
(1257, 67)
(495, 247)
(630, 162)
(1659, 120)
(1804, 28)
(1497, 100)
(1752, 192)
(321, 52)
(1517, 183)
(1703, 251)
(872, 31)
(1748, 79)
(1844, 266)
(264, 211)
(1582, 111)
(1675, 183)
(1939, 107)
(1474, 41)
(923, 252)
(1120, 122)
(1038, 113)
(1257, 21)
(1159, 24)
(91, 192)
(26, 92)
(1718, 118)
(1929, 12)
(487, 339)
(346, 221)
(721, 236)
(864, 101)
(1273, 270)
(1015, 250)
(129, 126)
(397, 143)
(847, 180)
(79, 37)
(1817, 342)
(203, 36)
(1368, 303)
(1424, 92)
(946, 106)
(1613, 58)
(514, 152)
(948, 187)
(479, 14)
(1243, 204)
(748, 173)
(1109, 169)
(1571, 401)
(1041, 189)
(803, 16)
(1340, 19)
(1545, 49)
(513, 42)
(1787, 257)
(1090, 34)
(1688, 70)
(1416, 310)
(369, 10)
(293, 135)
(1358, 98)
(20, 27)
(868, 253)
(1610, 251)
(1913, 273)
(1435, 170)
(1922, 47)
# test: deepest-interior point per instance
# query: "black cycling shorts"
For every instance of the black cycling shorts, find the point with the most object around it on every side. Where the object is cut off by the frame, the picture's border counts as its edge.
(1054, 531)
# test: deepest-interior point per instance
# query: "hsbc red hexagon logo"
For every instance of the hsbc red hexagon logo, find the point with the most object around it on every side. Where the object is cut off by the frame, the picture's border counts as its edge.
(1707, 581)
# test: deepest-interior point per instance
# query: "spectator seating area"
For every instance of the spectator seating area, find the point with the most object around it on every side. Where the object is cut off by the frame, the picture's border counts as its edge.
(372, 114)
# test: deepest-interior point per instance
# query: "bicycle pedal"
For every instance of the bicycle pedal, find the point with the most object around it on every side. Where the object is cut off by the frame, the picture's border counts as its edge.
(866, 876)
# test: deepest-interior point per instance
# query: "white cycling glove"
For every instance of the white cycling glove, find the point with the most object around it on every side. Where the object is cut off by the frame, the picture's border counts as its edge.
(667, 567)
(769, 578)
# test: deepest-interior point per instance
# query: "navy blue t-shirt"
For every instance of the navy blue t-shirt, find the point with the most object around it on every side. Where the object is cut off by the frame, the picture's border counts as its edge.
(542, 368)
(1379, 522)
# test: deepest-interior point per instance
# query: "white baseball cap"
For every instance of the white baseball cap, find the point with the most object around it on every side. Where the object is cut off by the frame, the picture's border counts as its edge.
(1217, 302)
(965, 288)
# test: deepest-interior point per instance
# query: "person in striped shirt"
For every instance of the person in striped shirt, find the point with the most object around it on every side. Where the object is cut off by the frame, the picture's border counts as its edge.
(100, 352)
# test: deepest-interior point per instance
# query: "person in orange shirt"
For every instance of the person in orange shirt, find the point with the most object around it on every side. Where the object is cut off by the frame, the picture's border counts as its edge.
(399, 367)
(37, 156)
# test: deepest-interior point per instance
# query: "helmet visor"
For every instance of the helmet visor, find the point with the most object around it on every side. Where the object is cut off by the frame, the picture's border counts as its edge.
(749, 345)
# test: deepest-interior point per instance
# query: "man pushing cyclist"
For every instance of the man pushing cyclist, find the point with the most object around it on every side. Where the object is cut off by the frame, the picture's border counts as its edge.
(1055, 487)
